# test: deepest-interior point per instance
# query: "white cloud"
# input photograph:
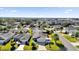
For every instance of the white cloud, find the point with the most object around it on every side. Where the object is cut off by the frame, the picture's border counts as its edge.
(68, 11)
(13, 11)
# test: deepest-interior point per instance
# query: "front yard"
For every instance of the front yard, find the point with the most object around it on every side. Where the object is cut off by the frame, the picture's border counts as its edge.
(55, 44)
(31, 46)
(8, 46)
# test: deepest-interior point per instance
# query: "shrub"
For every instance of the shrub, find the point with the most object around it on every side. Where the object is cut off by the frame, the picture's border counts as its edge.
(26, 43)
(66, 33)
(77, 34)
(34, 48)
(12, 48)
(49, 43)
(56, 37)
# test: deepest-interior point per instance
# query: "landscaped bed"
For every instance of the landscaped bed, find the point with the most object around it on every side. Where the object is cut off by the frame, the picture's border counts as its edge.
(71, 39)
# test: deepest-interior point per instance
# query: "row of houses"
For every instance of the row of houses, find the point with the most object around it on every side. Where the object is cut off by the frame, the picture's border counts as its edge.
(22, 38)
(4, 38)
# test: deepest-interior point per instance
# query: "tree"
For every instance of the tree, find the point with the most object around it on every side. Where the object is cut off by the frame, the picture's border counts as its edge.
(66, 24)
(0, 28)
(77, 34)
(13, 45)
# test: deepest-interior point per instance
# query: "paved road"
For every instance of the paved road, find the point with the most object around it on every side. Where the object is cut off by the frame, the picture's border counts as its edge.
(66, 43)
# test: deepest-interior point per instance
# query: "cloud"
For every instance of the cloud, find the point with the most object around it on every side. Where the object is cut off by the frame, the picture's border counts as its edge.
(68, 11)
(13, 11)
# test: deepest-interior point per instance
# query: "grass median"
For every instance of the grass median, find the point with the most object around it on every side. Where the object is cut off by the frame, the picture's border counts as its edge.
(71, 39)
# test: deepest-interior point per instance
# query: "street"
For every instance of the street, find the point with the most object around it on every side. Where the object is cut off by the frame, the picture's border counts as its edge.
(66, 43)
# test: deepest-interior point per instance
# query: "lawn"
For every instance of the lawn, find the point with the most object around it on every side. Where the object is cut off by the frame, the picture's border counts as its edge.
(55, 44)
(58, 42)
(32, 45)
(71, 39)
(30, 31)
(51, 37)
(8, 47)
(52, 47)
(77, 46)
(27, 47)
(0, 47)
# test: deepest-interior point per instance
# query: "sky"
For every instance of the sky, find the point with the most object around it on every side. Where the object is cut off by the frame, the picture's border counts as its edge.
(39, 12)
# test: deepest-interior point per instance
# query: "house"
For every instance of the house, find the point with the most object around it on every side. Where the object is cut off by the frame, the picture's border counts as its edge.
(22, 38)
(25, 38)
(69, 30)
(4, 38)
(18, 36)
(57, 27)
(42, 41)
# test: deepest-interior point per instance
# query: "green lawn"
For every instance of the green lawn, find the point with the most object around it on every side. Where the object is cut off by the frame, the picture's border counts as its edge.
(7, 47)
(0, 47)
(30, 31)
(77, 46)
(51, 38)
(52, 47)
(27, 47)
(57, 44)
(71, 39)
(30, 46)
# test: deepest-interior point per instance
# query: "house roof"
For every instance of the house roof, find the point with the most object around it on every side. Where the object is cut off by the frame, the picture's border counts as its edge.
(42, 39)
(25, 37)
(18, 36)
(6, 35)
